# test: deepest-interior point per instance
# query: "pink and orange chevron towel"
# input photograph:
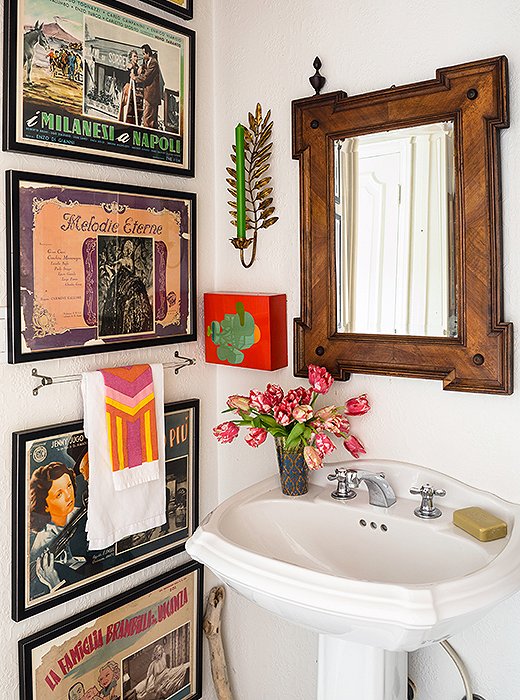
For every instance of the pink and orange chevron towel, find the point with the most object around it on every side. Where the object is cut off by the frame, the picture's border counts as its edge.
(131, 423)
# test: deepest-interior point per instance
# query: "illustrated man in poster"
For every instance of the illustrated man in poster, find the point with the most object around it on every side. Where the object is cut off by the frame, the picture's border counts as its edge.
(150, 79)
(77, 691)
(54, 518)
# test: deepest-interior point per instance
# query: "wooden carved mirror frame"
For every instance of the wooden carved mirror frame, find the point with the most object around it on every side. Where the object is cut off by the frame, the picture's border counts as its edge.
(479, 359)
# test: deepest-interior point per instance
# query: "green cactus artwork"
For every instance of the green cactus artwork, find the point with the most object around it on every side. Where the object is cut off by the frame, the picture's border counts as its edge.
(235, 333)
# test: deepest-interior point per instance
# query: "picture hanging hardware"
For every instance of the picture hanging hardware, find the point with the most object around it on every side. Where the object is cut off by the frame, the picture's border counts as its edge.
(45, 380)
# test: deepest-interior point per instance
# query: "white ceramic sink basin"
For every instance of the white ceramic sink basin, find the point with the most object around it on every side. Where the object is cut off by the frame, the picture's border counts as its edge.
(397, 582)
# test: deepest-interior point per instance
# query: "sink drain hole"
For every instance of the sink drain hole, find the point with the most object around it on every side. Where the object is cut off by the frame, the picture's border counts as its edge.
(363, 523)
(373, 525)
(384, 528)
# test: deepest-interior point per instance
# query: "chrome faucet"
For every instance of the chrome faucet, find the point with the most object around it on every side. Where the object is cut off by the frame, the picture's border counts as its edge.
(380, 493)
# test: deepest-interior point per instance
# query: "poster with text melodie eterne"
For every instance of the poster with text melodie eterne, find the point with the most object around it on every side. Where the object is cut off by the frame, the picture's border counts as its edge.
(100, 267)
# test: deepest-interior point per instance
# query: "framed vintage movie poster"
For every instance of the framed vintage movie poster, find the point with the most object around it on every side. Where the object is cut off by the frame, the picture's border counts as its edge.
(182, 8)
(51, 562)
(145, 644)
(101, 81)
(94, 267)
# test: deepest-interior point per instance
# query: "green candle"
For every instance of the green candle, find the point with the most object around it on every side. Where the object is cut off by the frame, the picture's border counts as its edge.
(241, 182)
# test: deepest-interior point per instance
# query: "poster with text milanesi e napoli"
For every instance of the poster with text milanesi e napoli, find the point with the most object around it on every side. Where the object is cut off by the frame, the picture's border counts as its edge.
(100, 80)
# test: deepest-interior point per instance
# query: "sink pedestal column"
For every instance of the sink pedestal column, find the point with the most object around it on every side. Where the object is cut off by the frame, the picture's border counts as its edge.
(348, 671)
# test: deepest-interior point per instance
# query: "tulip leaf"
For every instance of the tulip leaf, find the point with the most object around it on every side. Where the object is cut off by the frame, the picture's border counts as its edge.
(269, 421)
(295, 433)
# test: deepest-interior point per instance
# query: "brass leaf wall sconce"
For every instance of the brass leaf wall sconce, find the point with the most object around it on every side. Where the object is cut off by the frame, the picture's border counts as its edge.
(250, 187)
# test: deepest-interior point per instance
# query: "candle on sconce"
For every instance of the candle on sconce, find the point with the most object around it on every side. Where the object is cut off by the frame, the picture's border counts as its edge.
(241, 181)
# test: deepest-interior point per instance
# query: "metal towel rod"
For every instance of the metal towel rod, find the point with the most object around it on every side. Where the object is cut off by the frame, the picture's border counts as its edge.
(45, 380)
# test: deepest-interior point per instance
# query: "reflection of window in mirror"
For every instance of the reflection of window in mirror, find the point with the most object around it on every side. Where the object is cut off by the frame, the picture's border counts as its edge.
(394, 221)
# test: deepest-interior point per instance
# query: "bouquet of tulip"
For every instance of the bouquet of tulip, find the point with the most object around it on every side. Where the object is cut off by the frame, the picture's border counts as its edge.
(293, 419)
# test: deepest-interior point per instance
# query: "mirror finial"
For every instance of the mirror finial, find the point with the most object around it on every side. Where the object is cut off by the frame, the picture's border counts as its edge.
(317, 81)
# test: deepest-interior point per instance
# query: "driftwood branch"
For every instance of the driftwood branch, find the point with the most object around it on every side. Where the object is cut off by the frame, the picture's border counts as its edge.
(211, 628)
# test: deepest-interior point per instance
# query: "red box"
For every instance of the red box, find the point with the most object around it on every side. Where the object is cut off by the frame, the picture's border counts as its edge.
(246, 330)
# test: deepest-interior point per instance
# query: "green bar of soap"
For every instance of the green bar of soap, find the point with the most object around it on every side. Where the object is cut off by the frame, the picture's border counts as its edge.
(479, 523)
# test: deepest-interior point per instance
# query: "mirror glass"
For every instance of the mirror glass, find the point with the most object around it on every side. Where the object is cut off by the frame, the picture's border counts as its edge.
(394, 232)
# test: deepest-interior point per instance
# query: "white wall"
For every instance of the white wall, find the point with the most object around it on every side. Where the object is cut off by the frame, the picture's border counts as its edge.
(20, 410)
(263, 52)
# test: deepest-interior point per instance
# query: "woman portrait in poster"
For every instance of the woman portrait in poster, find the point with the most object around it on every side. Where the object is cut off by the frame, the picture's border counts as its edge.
(125, 275)
(131, 107)
(109, 675)
(161, 680)
(53, 519)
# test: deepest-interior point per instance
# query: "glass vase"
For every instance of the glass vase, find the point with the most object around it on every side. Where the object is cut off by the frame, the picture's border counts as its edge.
(292, 467)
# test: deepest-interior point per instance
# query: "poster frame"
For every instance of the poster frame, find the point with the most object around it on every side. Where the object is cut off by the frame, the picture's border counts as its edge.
(185, 12)
(28, 644)
(20, 586)
(11, 97)
(15, 351)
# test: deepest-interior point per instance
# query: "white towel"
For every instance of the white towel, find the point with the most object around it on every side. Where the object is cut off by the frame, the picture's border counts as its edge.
(114, 514)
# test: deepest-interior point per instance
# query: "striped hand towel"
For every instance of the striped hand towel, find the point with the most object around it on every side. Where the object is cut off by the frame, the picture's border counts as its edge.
(124, 498)
(131, 424)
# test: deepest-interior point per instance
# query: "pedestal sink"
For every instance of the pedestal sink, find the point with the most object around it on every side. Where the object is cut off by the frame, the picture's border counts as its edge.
(374, 582)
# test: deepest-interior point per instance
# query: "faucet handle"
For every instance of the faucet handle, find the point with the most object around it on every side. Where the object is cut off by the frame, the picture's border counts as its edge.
(342, 476)
(427, 493)
(427, 489)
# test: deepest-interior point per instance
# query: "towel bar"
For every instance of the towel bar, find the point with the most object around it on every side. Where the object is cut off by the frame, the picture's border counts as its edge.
(45, 380)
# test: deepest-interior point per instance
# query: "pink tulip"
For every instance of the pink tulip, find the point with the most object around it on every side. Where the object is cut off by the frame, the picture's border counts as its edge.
(297, 396)
(256, 436)
(326, 412)
(259, 401)
(354, 446)
(302, 413)
(324, 444)
(338, 426)
(226, 432)
(358, 406)
(313, 458)
(239, 403)
(273, 394)
(319, 379)
(283, 413)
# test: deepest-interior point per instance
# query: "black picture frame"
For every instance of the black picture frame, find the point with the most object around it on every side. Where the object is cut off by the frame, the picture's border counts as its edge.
(55, 307)
(67, 114)
(67, 443)
(185, 12)
(180, 632)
